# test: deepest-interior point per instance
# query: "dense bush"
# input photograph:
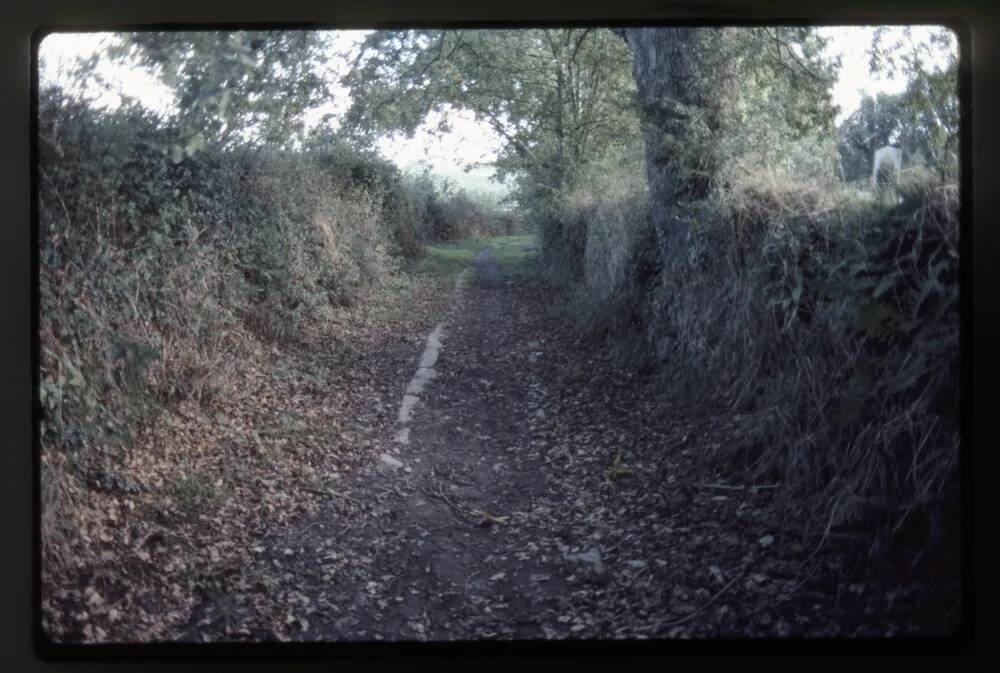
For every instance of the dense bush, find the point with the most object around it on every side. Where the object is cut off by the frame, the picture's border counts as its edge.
(602, 243)
(156, 274)
(823, 314)
(828, 322)
(159, 270)
(366, 170)
(440, 211)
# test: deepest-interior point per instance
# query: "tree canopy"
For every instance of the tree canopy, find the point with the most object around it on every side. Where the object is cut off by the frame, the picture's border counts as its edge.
(557, 97)
(923, 120)
(247, 86)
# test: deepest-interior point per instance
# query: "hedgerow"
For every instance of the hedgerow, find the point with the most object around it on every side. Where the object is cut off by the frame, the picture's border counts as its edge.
(827, 323)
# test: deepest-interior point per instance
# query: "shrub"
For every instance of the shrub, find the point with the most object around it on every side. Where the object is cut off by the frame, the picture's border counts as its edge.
(833, 325)
(828, 322)
(603, 238)
(158, 275)
(441, 212)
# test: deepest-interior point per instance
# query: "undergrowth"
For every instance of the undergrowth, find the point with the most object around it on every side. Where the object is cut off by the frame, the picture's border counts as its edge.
(160, 275)
(826, 322)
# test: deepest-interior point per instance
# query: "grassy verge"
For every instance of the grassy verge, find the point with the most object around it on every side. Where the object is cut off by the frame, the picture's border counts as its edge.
(515, 254)
(443, 260)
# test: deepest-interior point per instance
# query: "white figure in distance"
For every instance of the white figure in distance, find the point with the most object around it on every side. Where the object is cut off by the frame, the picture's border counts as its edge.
(893, 155)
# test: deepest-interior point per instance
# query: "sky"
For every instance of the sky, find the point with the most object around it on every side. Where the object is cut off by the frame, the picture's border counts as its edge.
(468, 141)
(851, 44)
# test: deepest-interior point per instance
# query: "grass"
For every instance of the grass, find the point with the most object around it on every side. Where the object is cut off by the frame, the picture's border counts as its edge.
(443, 260)
(194, 489)
(516, 255)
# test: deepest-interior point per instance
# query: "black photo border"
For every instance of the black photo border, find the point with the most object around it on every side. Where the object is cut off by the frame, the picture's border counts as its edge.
(669, 14)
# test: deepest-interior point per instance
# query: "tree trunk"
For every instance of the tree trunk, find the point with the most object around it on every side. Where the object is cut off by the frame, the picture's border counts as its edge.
(663, 66)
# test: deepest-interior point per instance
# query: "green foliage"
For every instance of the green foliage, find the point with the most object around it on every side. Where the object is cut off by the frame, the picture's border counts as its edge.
(194, 490)
(555, 96)
(607, 213)
(516, 254)
(829, 322)
(932, 126)
(448, 259)
(905, 294)
(877, 122)
(923, 120)
(513, 253)
(441, 212)
(156, 275)
(232, 85)
(832, 327)
(759, 97)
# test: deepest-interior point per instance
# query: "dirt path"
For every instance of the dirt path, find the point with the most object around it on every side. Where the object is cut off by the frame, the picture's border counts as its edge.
(544, 493)
(455, 548)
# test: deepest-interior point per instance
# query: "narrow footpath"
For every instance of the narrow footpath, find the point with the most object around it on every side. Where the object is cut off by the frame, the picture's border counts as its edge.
(530, 489)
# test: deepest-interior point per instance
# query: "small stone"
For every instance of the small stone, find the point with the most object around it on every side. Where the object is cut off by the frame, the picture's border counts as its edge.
(390, 461)
(590, 558)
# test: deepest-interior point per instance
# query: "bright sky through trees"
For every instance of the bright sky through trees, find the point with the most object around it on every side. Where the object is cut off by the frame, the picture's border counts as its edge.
(466, 141)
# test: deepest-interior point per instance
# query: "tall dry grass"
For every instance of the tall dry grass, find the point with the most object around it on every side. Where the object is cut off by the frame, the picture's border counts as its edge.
(157, 279)
(827, 322)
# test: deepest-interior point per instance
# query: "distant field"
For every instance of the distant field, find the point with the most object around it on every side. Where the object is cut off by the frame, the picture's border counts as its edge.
(514, 254)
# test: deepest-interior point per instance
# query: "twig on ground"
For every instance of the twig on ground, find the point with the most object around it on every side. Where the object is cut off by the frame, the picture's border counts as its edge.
(469, 579)
(391, 491)
(330, 494)
(306, 529)
(722, 487)
(738, 488)
(686, 618)
(440, 494)
(826, 533)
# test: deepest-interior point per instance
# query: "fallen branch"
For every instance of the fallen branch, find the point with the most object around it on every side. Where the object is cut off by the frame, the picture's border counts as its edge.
(722, 487)
(686, 618)
(826, 533)
(738, 488)
(490, 518)
(302, 532)
(440, 494)
(330, 494)
(469, 578)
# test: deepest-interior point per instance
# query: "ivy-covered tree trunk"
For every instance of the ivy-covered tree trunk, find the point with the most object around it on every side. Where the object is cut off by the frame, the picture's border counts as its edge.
(663, 66)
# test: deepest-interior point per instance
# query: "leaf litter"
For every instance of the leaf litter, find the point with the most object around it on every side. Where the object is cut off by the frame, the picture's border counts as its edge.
(550, 497)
